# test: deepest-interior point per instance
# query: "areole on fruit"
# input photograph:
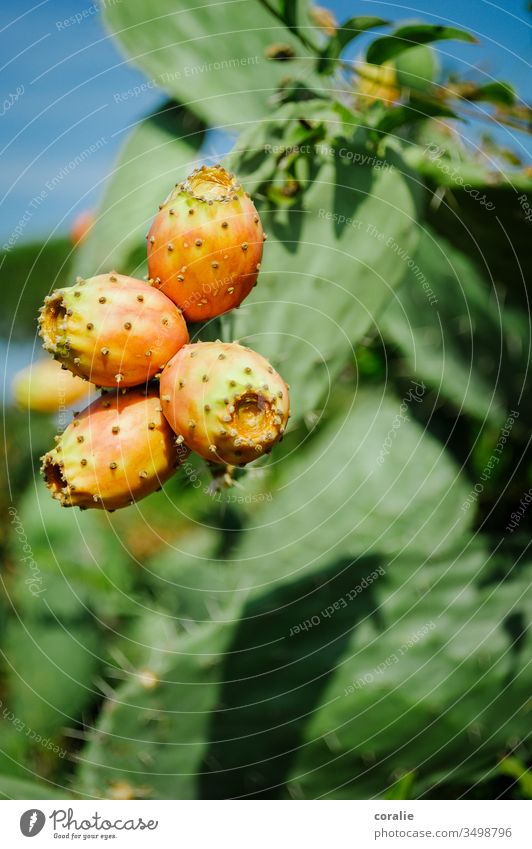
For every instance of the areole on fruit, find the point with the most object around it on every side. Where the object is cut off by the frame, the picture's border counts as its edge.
(224, 401)
(205, 244)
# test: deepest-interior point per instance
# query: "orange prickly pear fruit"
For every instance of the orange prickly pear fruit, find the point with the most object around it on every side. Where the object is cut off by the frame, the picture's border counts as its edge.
(45, 387)
(81, 226)
(111, 329)
(115, 452)
(205, 244)
(225, 402)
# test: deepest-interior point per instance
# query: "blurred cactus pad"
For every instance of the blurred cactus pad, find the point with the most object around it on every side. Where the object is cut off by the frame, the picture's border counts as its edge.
(351, 618)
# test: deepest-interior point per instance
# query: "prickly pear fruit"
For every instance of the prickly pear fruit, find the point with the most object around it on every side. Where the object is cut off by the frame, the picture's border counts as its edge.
(115, 452)
(224, 401)
(45, 387)
(376, 82)
(205, 244)
(324, 19)
(81, 227)
(417, 68)
(111, 329)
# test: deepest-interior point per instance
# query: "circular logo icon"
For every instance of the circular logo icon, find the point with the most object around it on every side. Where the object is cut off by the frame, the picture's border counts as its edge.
(32, 822)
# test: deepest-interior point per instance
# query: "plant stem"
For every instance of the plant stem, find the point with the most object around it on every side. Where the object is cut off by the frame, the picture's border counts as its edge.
(303, 39)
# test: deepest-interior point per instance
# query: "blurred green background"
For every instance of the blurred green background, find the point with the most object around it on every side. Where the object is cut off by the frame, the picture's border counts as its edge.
(352, 619)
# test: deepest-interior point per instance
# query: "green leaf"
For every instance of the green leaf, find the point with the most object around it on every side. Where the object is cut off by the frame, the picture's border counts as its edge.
(363, 469)
(429, 683)
(499, 93)
(160, 151)
(517, 770)
(293, 639)
(416, 110)
(212, 56)
(386, 48)
(30, 271)
(49, 671)
(345, 34)
(154, 737)
(16, 788)
(326, 270)
(445, 161)
(27, 438)
(448, 323)
(185, 581)
(76, 561)
(402, 789)
(495, 228)
(288, 11)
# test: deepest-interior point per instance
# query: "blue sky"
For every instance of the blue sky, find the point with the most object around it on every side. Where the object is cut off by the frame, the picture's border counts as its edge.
(59, 112)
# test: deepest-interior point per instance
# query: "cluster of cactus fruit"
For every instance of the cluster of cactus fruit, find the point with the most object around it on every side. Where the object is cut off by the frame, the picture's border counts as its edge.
(163, 397)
